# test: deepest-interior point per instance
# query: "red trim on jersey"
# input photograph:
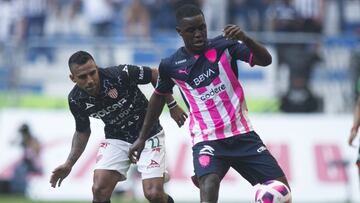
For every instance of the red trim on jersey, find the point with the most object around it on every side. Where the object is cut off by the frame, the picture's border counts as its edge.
(251, 59)
(162, 94)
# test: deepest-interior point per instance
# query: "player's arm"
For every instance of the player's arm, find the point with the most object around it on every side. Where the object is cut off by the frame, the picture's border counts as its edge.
(79, 142)
(143, 75)
(261, 56)
(356, 123)
(176, 112)
(155, 106)
(154, 76)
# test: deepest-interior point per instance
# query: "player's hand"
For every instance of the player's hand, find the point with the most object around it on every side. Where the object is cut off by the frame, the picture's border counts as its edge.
(59, 174)
(234, 32)
(179, 115)
(135, 150)
(352, 136)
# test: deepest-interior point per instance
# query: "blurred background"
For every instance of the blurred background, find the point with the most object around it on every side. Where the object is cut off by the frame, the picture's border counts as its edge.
(301, 105)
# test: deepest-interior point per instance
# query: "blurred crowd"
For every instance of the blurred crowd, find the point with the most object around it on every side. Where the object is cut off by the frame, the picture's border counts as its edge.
(33, 26)
(143, 18)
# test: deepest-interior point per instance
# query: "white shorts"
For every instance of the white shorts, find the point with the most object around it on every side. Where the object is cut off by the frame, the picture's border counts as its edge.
(113, 155)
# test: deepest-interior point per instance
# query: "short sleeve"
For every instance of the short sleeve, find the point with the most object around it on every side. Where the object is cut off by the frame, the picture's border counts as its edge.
(241, 52)
(164, 83)
(135, 74)
(82, 121)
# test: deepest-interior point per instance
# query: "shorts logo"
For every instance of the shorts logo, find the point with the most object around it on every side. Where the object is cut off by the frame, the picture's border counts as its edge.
(104, 144)
(204, 160)
(113, 93)
(153, 164)
(205, 153)
(261, 149)
(207, 150)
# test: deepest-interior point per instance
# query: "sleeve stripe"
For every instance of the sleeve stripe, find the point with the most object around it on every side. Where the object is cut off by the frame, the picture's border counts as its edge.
(251, 59)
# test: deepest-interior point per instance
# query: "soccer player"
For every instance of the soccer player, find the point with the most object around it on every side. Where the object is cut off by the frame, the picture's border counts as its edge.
(205, 70)
(355, 128)
(112, 95)
(355, 73)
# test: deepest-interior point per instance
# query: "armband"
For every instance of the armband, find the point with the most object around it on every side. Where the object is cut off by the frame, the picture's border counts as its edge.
(172, 104)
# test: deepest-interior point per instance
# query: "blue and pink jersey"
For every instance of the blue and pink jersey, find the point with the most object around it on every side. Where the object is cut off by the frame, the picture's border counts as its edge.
(210, 86)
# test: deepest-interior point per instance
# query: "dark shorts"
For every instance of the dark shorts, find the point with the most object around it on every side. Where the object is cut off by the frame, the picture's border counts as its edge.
(245, 153)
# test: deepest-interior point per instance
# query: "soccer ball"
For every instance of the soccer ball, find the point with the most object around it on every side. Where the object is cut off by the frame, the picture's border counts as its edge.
(273, 191)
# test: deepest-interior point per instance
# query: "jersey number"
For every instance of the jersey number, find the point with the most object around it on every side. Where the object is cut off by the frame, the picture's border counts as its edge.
(155, 142)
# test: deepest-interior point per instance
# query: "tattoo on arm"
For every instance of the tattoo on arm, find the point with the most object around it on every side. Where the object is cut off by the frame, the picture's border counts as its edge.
(79, 143)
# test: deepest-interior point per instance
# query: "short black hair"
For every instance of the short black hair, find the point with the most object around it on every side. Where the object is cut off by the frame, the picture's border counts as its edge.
(79, 58)
(24, 128)
(187, 10)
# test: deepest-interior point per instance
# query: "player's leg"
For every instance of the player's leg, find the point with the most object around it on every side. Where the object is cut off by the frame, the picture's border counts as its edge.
(253, 161)
(284, 180)
(209, 187)
(112, 164)
(358, 163)
(152, 167)
(104, 184)
(154, 190)
(209, 169)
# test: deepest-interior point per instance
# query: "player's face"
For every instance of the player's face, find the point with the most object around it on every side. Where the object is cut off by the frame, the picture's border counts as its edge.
(194, 33)
(86, 77)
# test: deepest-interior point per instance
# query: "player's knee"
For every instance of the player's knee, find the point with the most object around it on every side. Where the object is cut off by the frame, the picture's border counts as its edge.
(101, 193)
(154, 194)
(210, 184)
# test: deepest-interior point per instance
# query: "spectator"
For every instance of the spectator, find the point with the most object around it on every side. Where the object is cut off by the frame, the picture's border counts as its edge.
(298, 97)
(238, 13)
(311, 12)
(30, 162)
(355, 73)
(6, 20)
(285, 17)
(159, 11)
(355, 66)
(137, 20)
(30, 26)
(100, 15)
(250, 14)
(215, 14)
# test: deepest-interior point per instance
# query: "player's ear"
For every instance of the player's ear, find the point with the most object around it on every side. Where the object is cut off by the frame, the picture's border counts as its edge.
(178, 30)
(72, 78)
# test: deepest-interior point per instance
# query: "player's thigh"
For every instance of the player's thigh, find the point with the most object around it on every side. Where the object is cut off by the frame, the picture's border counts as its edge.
(106, 179)
(152, 159)
(113, 156)
(259, 169)
(153, 186)
(208, 160)
(255, 164)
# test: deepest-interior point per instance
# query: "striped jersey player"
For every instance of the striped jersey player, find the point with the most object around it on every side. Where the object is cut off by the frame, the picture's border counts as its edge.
(205, 71)
(209, 84)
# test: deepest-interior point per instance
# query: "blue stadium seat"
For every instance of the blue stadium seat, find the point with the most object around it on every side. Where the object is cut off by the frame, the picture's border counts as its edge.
(4, 78)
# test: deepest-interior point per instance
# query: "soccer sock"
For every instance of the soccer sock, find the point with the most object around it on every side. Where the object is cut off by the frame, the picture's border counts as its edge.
(170, 199)
(102, 202)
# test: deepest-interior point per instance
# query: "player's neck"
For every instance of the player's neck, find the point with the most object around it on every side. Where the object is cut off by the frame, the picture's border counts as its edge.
(193, 53)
